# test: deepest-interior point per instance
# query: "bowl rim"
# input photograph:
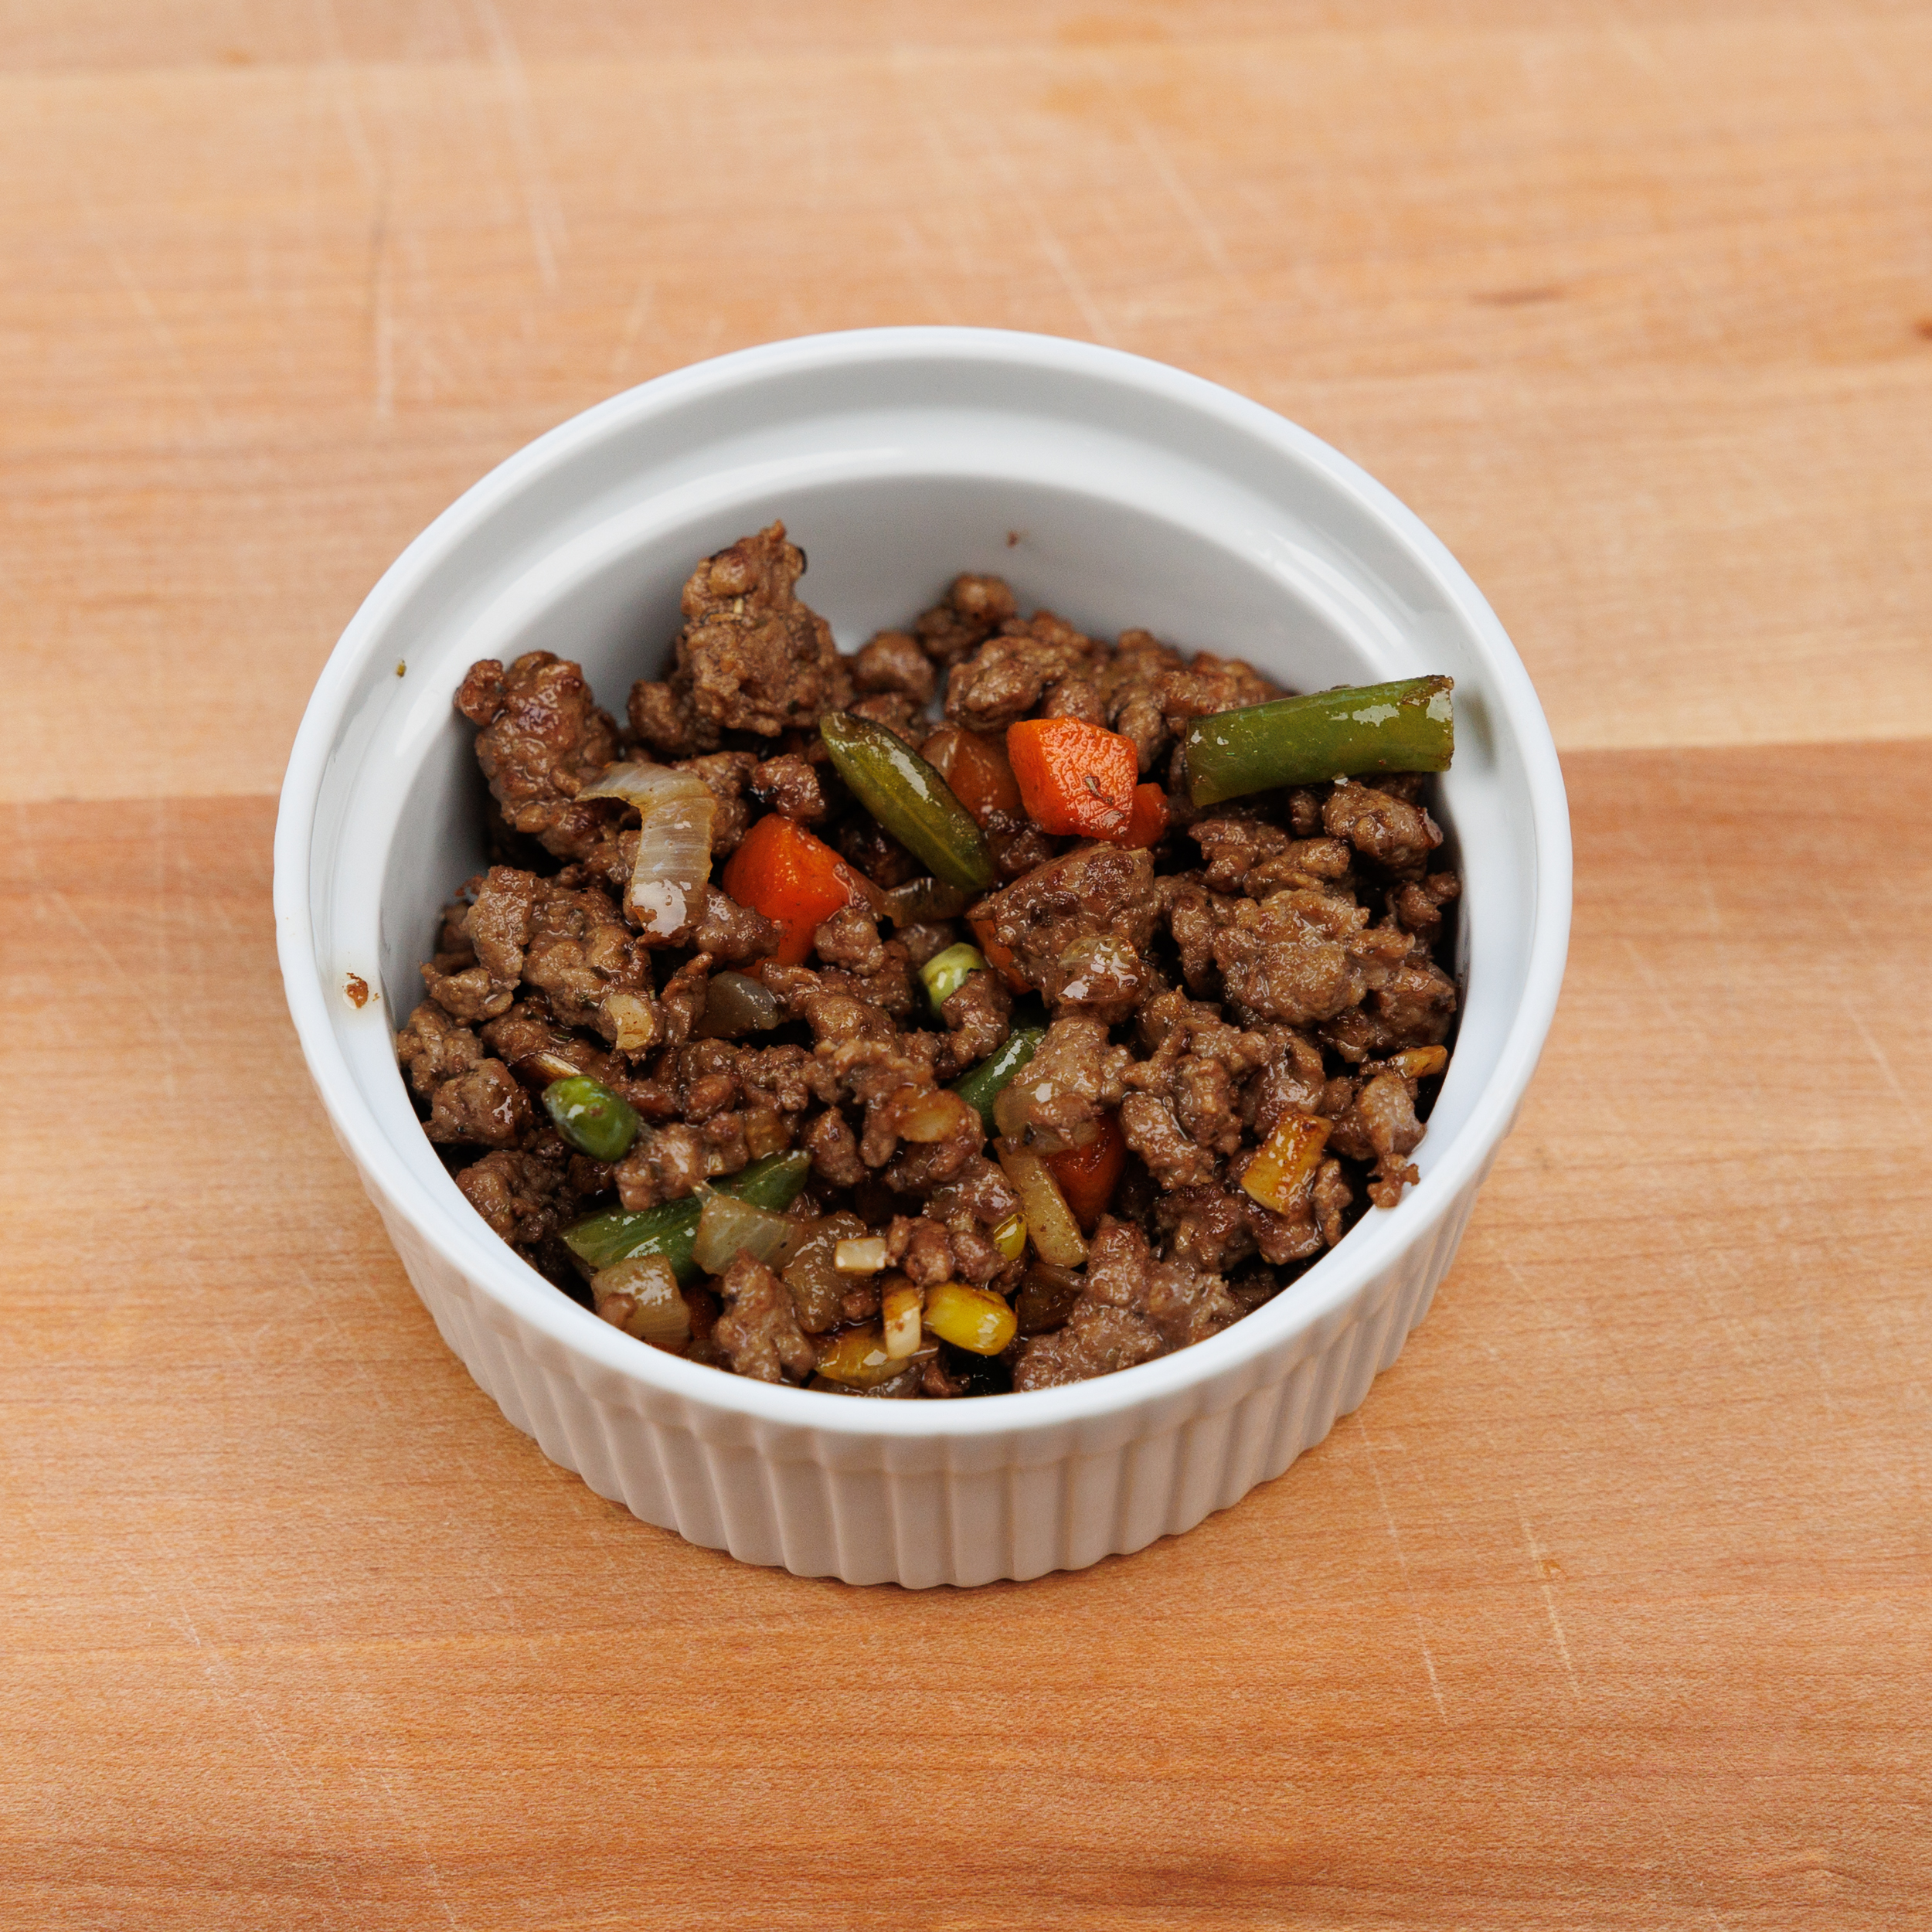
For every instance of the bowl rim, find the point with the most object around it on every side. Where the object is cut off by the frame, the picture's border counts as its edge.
(490, 1266)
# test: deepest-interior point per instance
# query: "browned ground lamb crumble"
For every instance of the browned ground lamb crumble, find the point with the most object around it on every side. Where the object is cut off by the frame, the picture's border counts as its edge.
(1274, 953)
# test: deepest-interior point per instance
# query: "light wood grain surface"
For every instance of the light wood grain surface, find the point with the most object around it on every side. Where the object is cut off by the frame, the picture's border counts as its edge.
(1610, 1608)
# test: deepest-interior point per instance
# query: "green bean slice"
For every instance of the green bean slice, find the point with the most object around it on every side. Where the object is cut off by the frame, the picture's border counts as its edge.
(592, 1119)
(980, 1086)
(909, 798)
(620, 1234)
(1358, 729)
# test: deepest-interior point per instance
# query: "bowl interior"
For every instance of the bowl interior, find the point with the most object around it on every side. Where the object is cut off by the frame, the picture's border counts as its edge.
(1115, 493)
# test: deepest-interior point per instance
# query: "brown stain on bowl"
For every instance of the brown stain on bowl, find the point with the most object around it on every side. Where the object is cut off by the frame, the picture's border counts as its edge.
(355, 990)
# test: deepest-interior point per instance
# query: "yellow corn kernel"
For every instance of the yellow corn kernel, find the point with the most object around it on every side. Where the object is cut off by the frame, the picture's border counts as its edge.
(859, 1359)
(974, 1318)
(1010, 1237)
(1288, 1157)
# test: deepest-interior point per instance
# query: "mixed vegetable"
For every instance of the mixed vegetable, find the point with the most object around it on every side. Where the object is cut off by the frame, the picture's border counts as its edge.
(1015, 1048)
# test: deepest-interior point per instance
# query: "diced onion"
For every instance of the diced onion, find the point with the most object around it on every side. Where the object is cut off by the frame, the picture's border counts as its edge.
(899, 1309)
(1055, 1235)
(1419, 1062)
(1010, 1237)
(674, 846)
(865, 1255)
(729, 1228)
(1276, 1175)
(635, 1019)
(640, 1297)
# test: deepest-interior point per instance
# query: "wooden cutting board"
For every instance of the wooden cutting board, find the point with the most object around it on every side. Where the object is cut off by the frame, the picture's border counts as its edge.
(1609, 1608)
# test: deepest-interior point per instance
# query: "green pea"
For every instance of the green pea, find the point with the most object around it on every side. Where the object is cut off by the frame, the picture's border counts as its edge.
(592, 1119)
(945, 973)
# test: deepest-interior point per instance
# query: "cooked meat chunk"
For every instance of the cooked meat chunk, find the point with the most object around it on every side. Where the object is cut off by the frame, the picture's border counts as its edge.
(893, 661)
(790, 785)
(1010, 673)
(1134, 1308)
(973, 608)
(1302, 956)
(751, 657)
(1130, 692)
(432, 1048)
(1074, 1075)
(1211, 684)
(485, 1105)
(543, 740)
(1092, 892)
(758, 1331)
(1276, 956)
(520, 1195)
(1389, 830)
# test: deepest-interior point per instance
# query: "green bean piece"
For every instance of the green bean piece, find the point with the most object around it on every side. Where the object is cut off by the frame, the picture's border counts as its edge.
(1409, 726)
(592, 1119)
(909, 798)
(620, 1234)
(945, 973)
(980, 1086)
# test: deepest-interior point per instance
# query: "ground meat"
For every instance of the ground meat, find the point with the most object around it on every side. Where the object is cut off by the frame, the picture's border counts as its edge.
(893, 661)
(1075, 1074)
(543, 740)
(1010, 673)
(521, 1195)
(1211, 684)
(904, 717)
(1393, 833)
(486, 1105)
(790, 785)
(1130, 693)
(1134, 1308)
(978, 1014)
(1092, 892)
(1274, 955)
(1302, 956)
(973, 608)
(751, 656)
(758, 1332)
(432, 1049)
(1416, 905)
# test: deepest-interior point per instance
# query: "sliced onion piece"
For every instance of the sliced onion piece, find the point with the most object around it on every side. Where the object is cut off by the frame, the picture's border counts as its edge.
(864, 1255)
(640, 1297)
(1278, 1175)
(1055, 1235)
(674, 846)
(729, 1228)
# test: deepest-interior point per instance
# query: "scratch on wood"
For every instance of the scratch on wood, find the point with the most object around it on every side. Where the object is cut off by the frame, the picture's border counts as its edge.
(1540, 1571)
(1401, 1563)
(544, 217)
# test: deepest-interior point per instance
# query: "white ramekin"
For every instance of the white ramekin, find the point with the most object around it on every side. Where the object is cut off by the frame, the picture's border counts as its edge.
(1116, 491)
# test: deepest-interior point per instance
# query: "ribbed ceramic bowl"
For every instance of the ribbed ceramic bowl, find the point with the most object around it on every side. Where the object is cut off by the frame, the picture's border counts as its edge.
(1118, 492)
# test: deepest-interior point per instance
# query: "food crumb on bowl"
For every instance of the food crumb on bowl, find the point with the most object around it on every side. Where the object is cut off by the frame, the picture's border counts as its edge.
(355, 989)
